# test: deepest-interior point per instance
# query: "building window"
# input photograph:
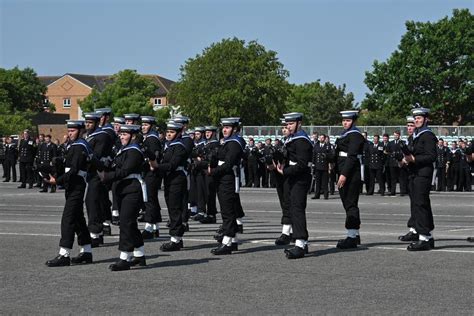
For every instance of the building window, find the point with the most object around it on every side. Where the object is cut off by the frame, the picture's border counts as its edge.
(67, 103)
(157, 101)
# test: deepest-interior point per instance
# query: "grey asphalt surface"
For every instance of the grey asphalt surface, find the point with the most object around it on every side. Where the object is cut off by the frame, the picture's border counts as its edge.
(380, 277)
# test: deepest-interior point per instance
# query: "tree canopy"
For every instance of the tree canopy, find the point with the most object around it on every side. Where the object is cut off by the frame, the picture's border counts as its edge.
(433, 66)
(21, 95)
(232, 78)
(320, 103)
(127, 92)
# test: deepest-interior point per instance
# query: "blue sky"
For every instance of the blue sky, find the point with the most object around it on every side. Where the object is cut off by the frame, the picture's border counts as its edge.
(334, 41)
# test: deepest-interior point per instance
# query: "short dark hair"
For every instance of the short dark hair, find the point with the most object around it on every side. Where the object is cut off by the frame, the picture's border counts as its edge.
(385, 135)
(397, 132)
(377, 135)
(441, 139)
(49, 136)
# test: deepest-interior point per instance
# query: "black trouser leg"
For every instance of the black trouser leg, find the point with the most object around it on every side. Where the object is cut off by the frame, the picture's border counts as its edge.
(239, 210)
(394, 175)
(367, 178)
(466, 172)
(421, 205)
(94, 198)
(403, 178)
(411, 220)
(283, 194)
(373, 173)
(29, 173)
(201, 192)
(185, 201)
(23, 173)
(192, 190)
(441, 179)
(211, 196)
(73, 221)
(175, 190)
(7, 170)
(298, 187)
(332, 182)
(317, 182)
(379, 177)
(228, 201)
(130, 236)
(349, 194)
(152, 207)
(387, 179)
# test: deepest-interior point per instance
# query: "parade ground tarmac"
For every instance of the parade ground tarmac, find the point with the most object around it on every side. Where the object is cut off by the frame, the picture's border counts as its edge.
(380, 277)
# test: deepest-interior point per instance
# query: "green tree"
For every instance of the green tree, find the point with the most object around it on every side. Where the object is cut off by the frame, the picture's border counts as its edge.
(127, 92)
(232, 78)
(433, 66)
(21, 95)
(320, 103)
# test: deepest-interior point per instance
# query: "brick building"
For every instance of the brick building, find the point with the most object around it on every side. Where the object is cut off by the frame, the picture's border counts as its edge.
(67, 90)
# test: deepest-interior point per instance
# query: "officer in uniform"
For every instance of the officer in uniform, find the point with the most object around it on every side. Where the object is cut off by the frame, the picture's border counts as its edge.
(210, 159)
(386, 166)
(11, 156)
(441, 162)
(297, 173)
(74, 180)
(465, 168)
(286, 231)
(27, 152)
(253, 156)
(321, 158)
(131, 193)
(365, 163)
(422, 159)
(152, 147)
(227, 177)
(46, 153)
(454, 166)
(349, 147)
(198, 175)
(332, 169)
(396, 174)
(97, 193)
(376, 161)
(173, 168)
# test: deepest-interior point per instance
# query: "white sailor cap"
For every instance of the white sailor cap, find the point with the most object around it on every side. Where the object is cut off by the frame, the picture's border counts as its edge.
(75, 124)
(148, 119)
(199, 129)
(420, 111)
(230, 121)
(103, 111)
(350, 114)
(132, 116)
(119, 120)
(293, 117)
(92, 116)
(210, 128)
(181, 119)
(132, 129)
(172, 125)
(282, 121)
(410, 119)
(190, 131)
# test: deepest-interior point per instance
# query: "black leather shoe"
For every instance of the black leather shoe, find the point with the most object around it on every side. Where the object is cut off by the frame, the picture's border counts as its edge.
(43, 191)
(358, 239)
(240, 229)
(138, 261)
(146, 235)
(22, 186)
(234, 246)
(208, 220)
(82, 258)
(30, 187)
(296, 252)
(410, 236)
(420, 245)
(107, 230)
(283, 240)
(348, 243)
(96, 242)
(59, 261)
(115, 220)
(222, 250)
(157, 233)
(120, 265)
(470, 239)
(315, 198)
(198, 217)
(171, 246)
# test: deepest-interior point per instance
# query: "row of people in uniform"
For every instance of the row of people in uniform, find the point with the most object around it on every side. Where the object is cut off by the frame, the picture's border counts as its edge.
(89, 161)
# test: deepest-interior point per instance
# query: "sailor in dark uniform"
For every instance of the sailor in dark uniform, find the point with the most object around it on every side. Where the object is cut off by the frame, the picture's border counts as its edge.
(376, 161)
(173, 168)
(412, 235)
(321, 158)
(188, 143)
(46, 153)
(227, 177)
(74, 180)
(197, 191)
(349, 147)
(97, 192)
(441, 162)
(26, 152)
(131, 118)
(286, 231)
(422, 159)
(118, 121)
(297, 173)
(210, 149)
(131, 193)
(152, 147)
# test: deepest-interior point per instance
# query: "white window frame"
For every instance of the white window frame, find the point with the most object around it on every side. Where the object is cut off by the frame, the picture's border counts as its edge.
(157, 102)
(66, 102)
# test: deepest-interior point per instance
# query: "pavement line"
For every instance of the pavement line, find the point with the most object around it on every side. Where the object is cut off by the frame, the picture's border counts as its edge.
(460, 229)
(263, 241)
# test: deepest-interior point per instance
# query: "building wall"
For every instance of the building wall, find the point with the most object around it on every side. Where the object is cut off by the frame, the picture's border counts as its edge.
(67, 88)
(56, 131)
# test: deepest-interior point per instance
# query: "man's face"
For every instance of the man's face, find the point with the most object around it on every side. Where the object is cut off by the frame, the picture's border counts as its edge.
(8, 140)
(462, 145)
(90, 126)
(292, 127)
(268, 142)
(440, 143)
(454, 145)
(170, 134)
(315, 136)
(396, 136)
(117, 128)
(227, 131)
(73, 133)
(284, 131)
(129, 122)
(410, 128)
(41, 138)
(346, 123)
(419, 121)
(197, 136)
(376, 139)
(385, 139)
(365, 135)
(209, 134)
(26, 135)
(146, 128)
(125, 138)
(251, 142)
(322, 138)
(47, 140)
